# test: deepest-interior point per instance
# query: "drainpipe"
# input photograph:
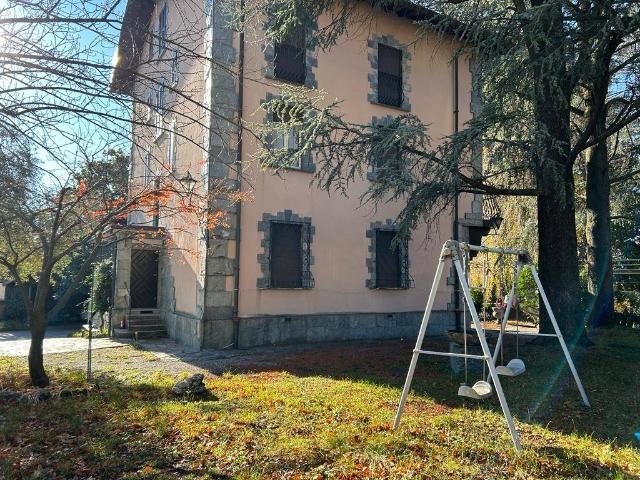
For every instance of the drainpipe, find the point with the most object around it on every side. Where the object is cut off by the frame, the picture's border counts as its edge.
(236, 280)
(456, 112)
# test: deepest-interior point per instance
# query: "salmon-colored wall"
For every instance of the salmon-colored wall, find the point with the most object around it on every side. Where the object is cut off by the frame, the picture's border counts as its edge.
(186, 27)
(340, 247)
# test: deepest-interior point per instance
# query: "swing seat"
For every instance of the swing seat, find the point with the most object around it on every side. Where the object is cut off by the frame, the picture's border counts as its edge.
(514, 368)
(480, 390)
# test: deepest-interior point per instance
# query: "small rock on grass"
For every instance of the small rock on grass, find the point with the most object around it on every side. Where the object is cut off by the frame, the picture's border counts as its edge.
(194, 385)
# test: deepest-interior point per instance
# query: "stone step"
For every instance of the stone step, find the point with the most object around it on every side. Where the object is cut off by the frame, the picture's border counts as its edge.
(122, 333)
(146, 320)
(154, 326)
(138, 334)
(151, 315)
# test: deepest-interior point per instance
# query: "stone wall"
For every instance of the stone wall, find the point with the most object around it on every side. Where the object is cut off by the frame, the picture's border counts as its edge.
(220, 265)
(290, 329)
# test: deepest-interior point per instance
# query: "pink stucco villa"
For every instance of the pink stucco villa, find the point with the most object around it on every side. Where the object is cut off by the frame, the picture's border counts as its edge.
(293, 264)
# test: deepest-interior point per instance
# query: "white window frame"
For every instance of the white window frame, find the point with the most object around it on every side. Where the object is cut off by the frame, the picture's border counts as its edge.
(290, 142)
(174, 69)
(172, 146)
(163, 29)
(146, 166)
(160, 107)
(149, 105)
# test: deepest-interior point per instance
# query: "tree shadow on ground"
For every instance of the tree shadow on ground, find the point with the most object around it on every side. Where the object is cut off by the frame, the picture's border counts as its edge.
(545, 394)
(96, 434)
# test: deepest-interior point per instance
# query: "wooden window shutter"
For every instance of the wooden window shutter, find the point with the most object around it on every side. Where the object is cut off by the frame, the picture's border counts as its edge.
(290, 57)
(388, 261)
(286, 255)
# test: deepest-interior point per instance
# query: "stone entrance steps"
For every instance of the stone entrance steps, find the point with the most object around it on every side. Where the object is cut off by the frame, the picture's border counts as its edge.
(143, 323)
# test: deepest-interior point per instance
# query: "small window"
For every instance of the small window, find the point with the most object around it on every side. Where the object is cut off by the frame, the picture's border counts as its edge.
(389, 75)
(162, 29)
(172, 146)
(290, 58)
(288, 140)
(286, 255)
(152, 42)
(150, 103)
(174, 69)
(160, 107)
(161, 97)
(388, 260)
(146, 166)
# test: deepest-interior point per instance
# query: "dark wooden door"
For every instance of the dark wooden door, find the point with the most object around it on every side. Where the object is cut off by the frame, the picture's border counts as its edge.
(144, 279)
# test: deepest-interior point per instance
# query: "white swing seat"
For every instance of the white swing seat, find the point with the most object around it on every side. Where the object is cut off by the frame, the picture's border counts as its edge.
(480, 390)
(514, 368)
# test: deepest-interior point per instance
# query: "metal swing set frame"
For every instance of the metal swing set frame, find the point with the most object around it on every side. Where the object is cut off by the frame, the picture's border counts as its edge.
(456, 251)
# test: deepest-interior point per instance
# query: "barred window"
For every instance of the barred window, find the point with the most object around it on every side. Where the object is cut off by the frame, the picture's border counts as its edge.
(286, 255)
(290, 57)
(389, 75)
(388, 264)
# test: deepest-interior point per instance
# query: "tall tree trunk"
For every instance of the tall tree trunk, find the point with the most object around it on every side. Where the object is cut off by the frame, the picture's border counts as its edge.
(598, 231)
(38, 325)
(557, 237)
(557, 254)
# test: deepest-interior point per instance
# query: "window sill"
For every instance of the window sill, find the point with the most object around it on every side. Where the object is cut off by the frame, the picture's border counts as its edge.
(389, 288)
(394, 107)
(271, 76)
(285, 288)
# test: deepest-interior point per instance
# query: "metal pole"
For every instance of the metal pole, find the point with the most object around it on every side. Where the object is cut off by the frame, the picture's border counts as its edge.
(90, 323)
(567, 355)
(421, 334)
(505, 317)
(482, 248)
(485, 349)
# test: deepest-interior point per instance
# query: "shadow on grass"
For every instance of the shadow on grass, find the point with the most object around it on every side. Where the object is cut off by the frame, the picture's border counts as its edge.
(116, 431)
(545, 394)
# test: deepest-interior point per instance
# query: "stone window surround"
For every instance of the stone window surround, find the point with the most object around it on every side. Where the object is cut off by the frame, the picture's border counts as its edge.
(264, 258)
(307, 164)
(371, 282)
(377, 122)
(311, 62)
(389, 41)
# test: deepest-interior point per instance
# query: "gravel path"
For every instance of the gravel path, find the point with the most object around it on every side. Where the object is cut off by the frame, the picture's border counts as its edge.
(57, 340)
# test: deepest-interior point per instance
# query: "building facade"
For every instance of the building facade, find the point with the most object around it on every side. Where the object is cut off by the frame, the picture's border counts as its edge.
(291, 263)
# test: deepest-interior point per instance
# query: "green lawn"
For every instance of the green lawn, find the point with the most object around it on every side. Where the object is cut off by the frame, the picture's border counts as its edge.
(327, 413)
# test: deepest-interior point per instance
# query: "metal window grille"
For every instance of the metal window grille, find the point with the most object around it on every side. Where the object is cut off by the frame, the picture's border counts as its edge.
(392, 262)
(286, 261)
(389, 75)
(290, 58)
